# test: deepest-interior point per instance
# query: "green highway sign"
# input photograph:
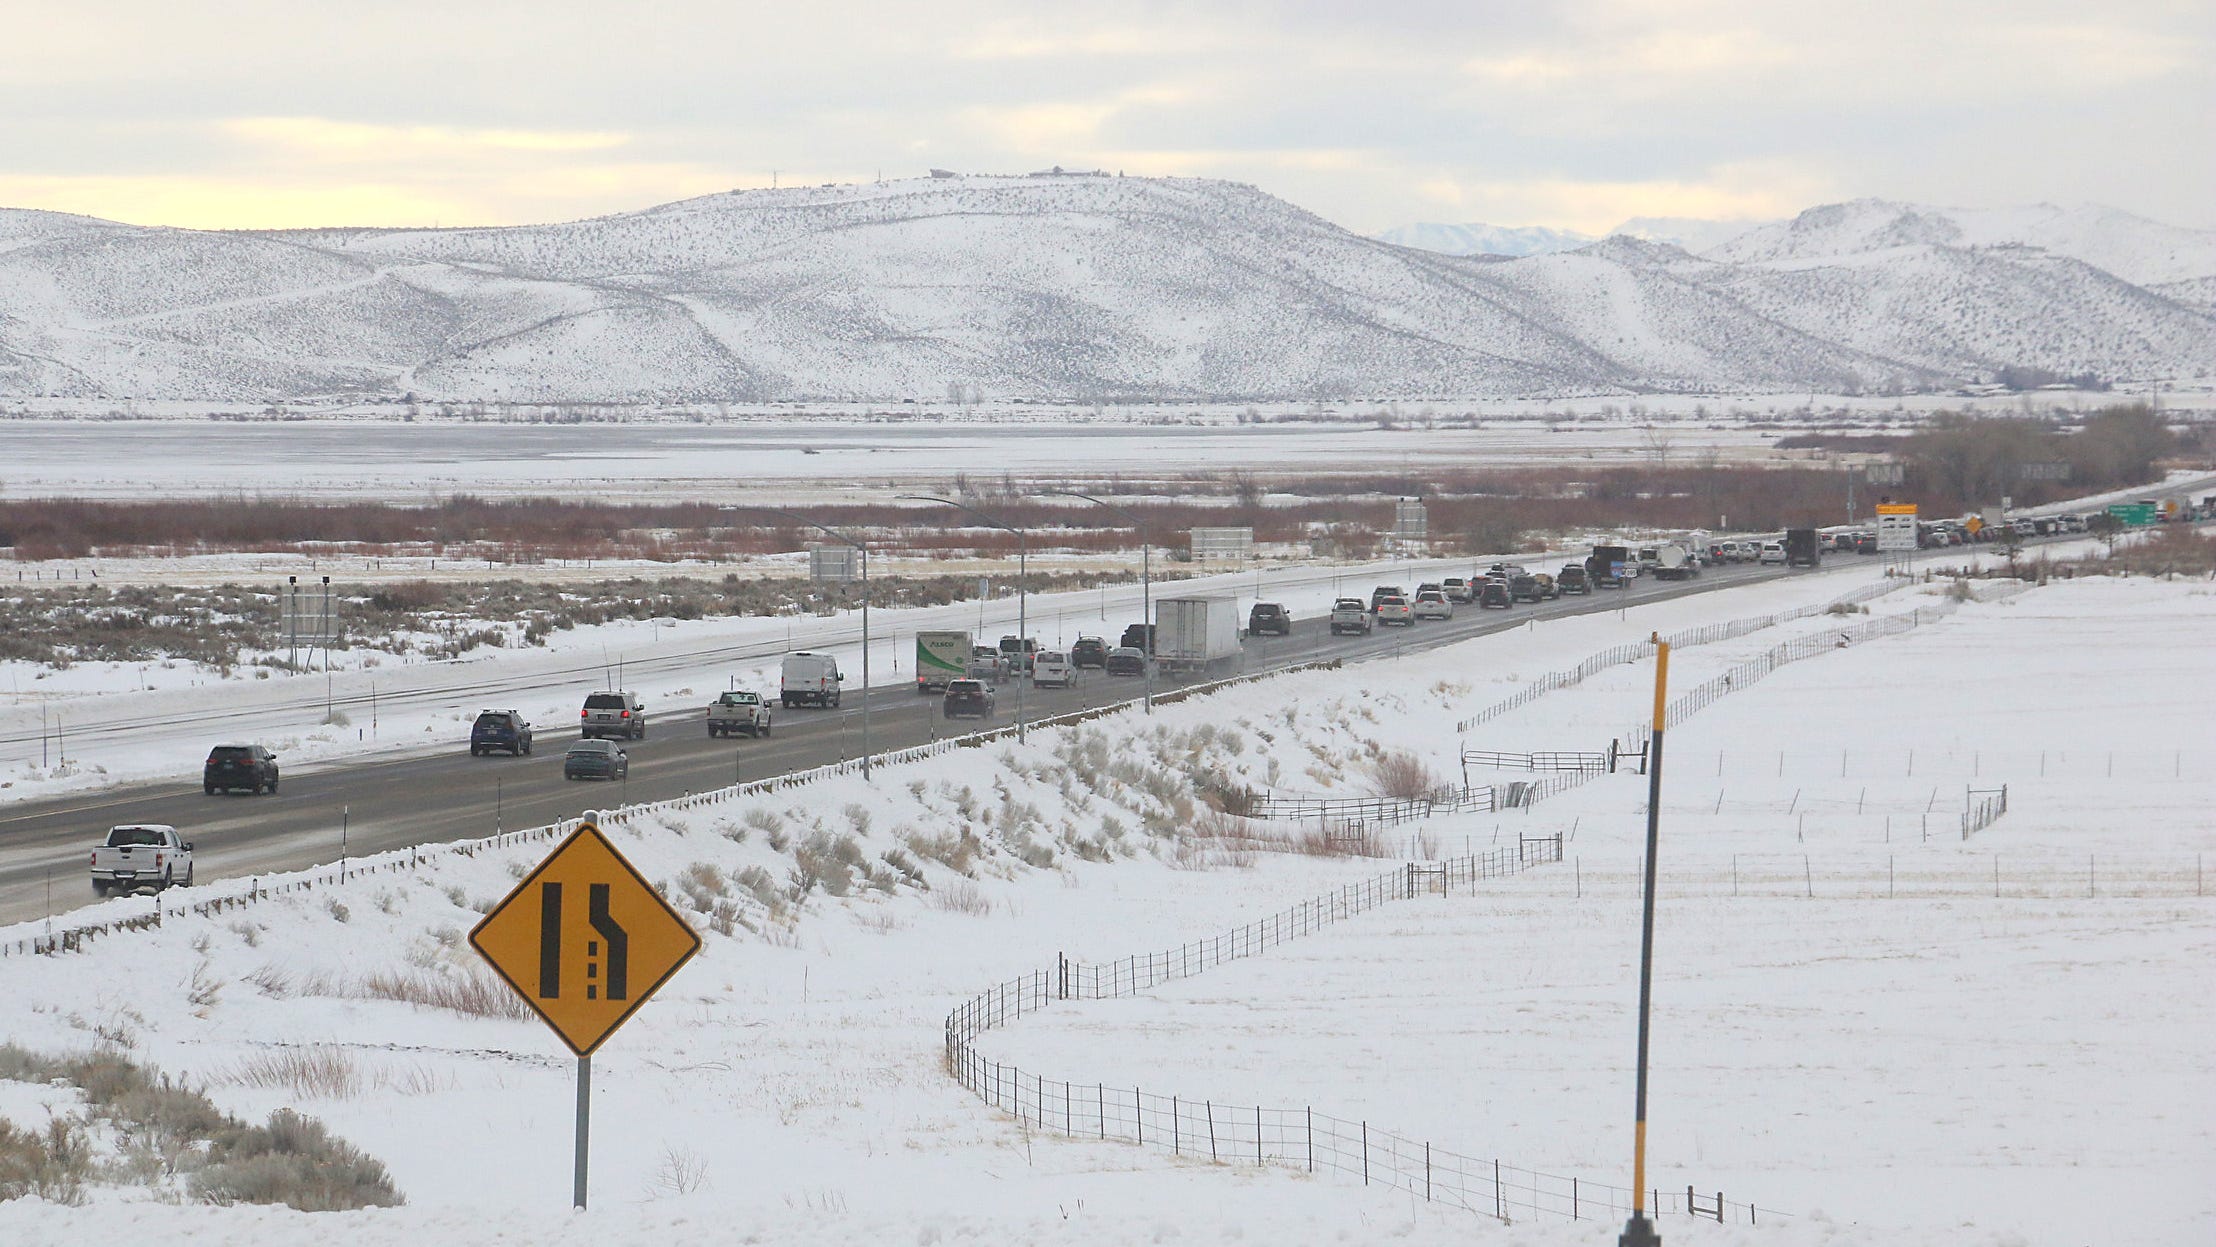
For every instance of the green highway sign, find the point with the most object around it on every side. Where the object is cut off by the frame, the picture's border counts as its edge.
(2133, 513)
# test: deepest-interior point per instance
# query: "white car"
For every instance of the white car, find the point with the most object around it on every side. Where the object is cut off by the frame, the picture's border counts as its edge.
(1433, 606)
(1051, 669)
(1773, 552)
(1395, 610)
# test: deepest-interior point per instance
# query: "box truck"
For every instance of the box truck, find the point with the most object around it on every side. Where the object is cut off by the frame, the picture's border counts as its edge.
(941, 656)
(1191, 634)
(1802, 548)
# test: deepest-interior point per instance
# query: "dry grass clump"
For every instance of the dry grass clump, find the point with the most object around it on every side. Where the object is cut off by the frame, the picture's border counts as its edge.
(471, 993)
(51, 1164)
(962, 897)
(1402, 776)
(168, 1129)
(319, 1070)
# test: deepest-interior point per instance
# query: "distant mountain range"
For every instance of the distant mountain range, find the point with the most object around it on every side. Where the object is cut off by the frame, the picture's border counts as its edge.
(1516, 241)
(1084, 287)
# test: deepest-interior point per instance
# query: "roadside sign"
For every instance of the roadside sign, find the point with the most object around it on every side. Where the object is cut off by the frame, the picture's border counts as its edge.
(1974, 525)
(2133, 513)
(1896, 527)
(585, 939)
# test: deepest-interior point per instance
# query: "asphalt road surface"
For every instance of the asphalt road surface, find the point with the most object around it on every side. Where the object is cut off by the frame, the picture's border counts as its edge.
(392, 803)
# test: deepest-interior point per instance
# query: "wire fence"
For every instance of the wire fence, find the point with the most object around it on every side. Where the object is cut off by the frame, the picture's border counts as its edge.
(2027, 875)
(1707, 634)
(1707, 693)
(1986, 806)
(1260, 1134)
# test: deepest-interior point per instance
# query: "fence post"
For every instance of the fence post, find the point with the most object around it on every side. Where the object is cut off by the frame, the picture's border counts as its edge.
(1365, 1153)
(1500, 1206)
(1310, 1113)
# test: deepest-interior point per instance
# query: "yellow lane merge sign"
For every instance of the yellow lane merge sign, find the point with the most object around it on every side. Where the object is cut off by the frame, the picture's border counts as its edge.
(584, 939)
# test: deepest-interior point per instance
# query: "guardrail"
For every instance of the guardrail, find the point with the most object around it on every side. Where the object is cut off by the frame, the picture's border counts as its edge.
(1298, 1137)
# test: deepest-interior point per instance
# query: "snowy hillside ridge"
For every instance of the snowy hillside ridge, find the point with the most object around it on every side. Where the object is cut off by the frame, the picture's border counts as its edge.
(1479, 239)
(2132, 248)
(1060, 288)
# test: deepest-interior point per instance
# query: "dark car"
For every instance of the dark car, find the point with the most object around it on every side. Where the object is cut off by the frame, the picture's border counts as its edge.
(1524, 588)
(1495, 595)
(239, 766)
(1571, 579)
(596, 759)
(1269, 617)
(502, 730)
(1139, 637)
(1381, 592)
(968, 699)
(1126, 660)
(1089, 651)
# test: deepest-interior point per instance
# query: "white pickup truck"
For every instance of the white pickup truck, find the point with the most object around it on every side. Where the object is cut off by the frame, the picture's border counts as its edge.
(740, 710)
(141, 855)
(1351, 615)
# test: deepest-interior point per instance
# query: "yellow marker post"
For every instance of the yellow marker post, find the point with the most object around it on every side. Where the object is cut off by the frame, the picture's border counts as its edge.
(1639, 1232)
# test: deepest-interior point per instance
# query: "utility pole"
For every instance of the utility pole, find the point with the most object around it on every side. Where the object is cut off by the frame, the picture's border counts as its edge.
(1146, 579)
(863, 547)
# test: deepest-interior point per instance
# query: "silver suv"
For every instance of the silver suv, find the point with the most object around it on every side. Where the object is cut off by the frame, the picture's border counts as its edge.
(612, 714)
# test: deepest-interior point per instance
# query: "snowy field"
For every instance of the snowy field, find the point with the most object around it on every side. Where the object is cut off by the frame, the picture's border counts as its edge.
(1850, 1027)
(785, 456)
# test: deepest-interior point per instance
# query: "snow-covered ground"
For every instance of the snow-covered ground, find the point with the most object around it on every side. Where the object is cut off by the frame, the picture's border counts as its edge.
(1934, 1066)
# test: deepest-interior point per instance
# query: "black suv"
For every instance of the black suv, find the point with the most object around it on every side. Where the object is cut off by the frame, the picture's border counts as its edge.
(1139, 637)
(968, 699)
(1269, 617)
(503, 730)
(1571, 579)
(1089, 651)
(1495, 595)
(239, 766)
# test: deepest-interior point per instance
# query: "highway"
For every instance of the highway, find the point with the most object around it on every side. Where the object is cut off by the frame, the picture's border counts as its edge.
(388, 803)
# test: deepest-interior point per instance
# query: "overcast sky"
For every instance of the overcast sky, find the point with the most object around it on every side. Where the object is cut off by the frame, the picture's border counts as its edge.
(1573, 114)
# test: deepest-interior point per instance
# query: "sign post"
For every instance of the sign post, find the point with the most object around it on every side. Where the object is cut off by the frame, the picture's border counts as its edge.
(1896, 533)
(584, 939)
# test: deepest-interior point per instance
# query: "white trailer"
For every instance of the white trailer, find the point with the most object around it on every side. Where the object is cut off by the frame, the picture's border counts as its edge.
(1192, 634)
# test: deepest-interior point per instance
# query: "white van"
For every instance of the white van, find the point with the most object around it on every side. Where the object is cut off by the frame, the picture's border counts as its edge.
(809, 680)
(1051, 669)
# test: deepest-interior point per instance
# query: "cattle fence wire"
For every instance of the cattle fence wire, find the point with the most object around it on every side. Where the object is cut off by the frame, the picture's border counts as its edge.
(1299, 1136)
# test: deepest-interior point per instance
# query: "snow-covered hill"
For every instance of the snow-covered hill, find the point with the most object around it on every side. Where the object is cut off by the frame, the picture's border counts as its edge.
(1078, 287)
(2133, 248)
(1479, 239)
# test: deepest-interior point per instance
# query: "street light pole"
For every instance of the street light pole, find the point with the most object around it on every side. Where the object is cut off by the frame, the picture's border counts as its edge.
(1146, 579)
(1023, 587)
(843, 539)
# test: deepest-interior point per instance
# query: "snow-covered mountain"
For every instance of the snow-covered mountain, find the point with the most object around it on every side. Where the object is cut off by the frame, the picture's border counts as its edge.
(2133, 248)
(1476, 239)
(1080, 287)
(1691, 233)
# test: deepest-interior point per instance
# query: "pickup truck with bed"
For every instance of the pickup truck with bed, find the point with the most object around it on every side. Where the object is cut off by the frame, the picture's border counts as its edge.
(141, 855)
(739, 710)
